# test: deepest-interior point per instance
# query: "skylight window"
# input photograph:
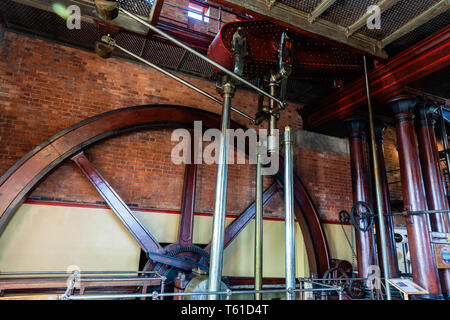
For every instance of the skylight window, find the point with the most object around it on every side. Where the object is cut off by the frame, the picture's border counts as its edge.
(201, 12)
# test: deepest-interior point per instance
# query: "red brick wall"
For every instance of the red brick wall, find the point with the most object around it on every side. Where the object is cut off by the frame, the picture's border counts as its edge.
(46, 87)
(327, 177)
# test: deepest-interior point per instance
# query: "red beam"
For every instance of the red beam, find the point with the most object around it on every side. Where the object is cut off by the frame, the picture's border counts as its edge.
(387, 80)
(192, 38)
(238, 224)
(147, 242)
(156, 11)
(186, 230)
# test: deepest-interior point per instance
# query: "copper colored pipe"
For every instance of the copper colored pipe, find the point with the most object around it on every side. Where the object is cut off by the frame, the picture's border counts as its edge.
(434, 181)
(386, 205)
(423, 261)
(361, 191)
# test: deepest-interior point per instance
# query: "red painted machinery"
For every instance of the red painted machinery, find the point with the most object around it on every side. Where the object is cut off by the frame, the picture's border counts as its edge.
(312, 60)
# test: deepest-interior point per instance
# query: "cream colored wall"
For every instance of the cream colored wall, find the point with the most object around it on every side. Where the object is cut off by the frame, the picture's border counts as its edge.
(45, 237)
(338, 244)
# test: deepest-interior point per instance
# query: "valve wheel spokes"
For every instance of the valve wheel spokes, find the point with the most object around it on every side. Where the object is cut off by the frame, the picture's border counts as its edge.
(362, 216)
(356, 289)
(344, 217)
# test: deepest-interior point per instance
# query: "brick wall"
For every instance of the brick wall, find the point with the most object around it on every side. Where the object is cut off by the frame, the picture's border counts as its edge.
(46, 87)
(327, 177)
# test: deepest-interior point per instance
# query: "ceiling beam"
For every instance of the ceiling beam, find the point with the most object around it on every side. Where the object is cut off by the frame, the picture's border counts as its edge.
(324, 5)
(155, 11)
(426, 16)
(292, 18)
(386, 81)
(358, 24)
(88, 13)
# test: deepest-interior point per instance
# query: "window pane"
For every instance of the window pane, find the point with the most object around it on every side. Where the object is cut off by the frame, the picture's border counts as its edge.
(194, 15)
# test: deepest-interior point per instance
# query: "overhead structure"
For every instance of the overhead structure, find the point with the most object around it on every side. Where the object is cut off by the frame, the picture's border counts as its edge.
(386, 81)
(344, 22)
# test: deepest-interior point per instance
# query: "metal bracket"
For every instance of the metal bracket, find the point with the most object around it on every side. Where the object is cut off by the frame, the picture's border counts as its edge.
(239, 49)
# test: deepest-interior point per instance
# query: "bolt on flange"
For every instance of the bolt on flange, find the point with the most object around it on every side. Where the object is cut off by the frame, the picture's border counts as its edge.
(107, 9)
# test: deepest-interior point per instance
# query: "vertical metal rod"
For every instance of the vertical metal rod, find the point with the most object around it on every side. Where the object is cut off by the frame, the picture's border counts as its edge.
(258, 224)
(220, 202)
(378, 191)
(340, 294)
(273, 141)
(219, 23)
(289, 214)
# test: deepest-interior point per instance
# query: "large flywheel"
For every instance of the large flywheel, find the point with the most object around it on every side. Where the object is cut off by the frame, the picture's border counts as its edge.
(183, 256)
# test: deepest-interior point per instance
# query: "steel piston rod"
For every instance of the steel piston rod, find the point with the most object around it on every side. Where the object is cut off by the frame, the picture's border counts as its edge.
(181, 80)
(289, 215)
(156, 294)
(201, 56)
(258, 271)
(220, 200)
(415, 213)
(378, 193)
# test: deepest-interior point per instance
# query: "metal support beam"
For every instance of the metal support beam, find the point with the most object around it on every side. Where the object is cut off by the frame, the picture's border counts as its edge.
(358, 24)
(324, 5)
(145, 239)
(289, 214)
(220, 202)
(426, 16)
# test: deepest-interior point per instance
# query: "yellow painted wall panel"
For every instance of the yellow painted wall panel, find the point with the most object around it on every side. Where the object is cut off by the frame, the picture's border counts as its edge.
(338, 244)
(163, 226)
(45, 237)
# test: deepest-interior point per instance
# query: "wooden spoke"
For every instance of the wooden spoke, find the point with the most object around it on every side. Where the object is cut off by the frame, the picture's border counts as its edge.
(186, 230)
(233, 230)
(147, 242)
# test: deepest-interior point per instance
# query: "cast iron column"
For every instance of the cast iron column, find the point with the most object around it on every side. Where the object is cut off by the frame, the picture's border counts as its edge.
(419, 239)
(388, 221)
(433, 179)
(220, 201)
(361, 191)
